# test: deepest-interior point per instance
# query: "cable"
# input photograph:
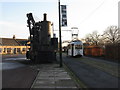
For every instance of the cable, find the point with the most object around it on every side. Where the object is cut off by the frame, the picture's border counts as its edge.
(93, 12)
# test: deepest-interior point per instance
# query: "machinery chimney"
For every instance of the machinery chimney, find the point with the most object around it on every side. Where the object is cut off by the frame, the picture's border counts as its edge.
(45, 17)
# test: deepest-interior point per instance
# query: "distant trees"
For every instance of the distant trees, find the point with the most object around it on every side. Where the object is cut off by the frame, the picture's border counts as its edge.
(93, 38)
(110, 35)
(108, 42)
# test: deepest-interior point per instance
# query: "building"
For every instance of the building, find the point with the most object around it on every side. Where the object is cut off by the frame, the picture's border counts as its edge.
(13, 46)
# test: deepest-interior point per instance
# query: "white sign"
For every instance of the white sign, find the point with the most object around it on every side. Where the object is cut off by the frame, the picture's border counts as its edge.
(63, 15)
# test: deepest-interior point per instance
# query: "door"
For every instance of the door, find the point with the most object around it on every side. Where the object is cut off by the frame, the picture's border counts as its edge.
(72, 49)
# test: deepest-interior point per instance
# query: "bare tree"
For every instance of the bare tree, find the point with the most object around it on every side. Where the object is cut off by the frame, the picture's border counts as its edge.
(93, 38)
(112, 34)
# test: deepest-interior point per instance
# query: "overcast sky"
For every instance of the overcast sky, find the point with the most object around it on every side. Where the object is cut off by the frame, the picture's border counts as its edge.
(87, 15)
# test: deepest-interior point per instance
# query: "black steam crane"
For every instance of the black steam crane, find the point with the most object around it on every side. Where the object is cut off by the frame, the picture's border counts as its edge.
(42, 45)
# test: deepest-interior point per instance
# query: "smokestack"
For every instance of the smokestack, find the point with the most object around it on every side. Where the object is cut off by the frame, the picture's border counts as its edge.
(14, 37)
(45, 17)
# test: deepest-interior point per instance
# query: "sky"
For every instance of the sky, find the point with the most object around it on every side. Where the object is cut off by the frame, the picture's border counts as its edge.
(86, 15)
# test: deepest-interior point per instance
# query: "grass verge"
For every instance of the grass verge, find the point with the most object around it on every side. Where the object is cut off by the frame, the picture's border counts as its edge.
(113, 70)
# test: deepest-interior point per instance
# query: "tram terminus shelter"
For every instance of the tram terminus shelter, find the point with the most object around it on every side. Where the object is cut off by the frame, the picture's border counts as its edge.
(13, 46)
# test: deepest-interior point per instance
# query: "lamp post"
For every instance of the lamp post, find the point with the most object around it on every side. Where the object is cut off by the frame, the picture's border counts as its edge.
(60, 40)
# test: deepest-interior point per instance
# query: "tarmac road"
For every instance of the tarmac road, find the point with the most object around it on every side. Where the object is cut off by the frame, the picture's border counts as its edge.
(20, 73)
(17, 72)
(92, 77)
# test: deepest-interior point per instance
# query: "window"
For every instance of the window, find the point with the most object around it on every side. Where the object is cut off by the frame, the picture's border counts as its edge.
(8, 50)
(18, 49)
(0, 50)
(24, 49)
(78, 46)
(4, 50)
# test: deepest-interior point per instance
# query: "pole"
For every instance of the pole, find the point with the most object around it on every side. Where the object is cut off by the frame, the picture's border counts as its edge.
(60, 44)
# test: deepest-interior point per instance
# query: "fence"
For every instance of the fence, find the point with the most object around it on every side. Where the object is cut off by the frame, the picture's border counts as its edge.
(93, 51)
(112, 51)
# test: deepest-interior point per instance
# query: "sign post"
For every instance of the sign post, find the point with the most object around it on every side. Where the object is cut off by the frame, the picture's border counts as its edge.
(63, 18)
(60, 41)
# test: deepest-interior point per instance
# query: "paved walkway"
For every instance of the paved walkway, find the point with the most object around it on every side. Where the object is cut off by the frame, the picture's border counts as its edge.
(51, 76)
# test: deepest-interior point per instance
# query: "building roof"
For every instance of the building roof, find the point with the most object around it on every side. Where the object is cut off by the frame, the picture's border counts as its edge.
(13, 42)
(22, 42)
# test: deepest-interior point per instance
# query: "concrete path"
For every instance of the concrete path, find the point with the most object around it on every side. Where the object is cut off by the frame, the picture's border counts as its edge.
(51, 76)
